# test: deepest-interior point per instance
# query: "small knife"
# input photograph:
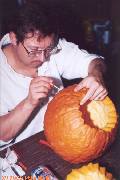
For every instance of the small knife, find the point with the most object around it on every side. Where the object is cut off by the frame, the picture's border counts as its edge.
(56, 87)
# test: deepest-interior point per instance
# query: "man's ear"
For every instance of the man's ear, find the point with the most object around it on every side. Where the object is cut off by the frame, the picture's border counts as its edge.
(13, 38)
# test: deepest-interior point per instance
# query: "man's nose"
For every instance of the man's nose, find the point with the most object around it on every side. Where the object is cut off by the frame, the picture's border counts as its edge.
(41, 56)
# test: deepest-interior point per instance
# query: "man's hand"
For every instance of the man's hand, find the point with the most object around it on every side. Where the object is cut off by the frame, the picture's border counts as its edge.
(97, 90)
(39, 89)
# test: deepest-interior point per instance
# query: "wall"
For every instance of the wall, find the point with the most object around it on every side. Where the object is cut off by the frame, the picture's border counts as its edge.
(72, 12)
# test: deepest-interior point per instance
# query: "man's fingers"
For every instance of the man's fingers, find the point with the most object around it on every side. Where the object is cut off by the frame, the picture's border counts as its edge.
(101, 96)
(40, 84)
(42, 78)
(79, 86)
(96, 90)
(39, 96)
(101, 90)
(88, 95)
(41, 89)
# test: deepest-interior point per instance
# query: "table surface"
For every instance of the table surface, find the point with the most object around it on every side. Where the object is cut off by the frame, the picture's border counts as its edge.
(32, 154)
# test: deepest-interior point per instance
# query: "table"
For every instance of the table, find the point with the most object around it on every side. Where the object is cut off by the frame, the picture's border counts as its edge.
(32, 153)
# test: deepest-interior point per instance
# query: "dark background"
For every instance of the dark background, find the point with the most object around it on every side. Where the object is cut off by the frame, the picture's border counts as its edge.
(77, 18)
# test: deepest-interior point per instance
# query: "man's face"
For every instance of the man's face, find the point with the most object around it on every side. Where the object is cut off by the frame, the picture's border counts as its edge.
(34, 51)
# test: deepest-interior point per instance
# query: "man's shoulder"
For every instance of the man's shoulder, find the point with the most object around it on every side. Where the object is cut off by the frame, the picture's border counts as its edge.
(5, 40)
(64, 43)
(2, 58)
(67, 47)
(3, 43)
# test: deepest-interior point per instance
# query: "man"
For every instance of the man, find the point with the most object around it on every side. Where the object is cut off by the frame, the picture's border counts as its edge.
(33, 59)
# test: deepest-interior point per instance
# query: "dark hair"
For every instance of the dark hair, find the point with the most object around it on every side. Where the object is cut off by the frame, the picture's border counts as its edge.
(34, 16)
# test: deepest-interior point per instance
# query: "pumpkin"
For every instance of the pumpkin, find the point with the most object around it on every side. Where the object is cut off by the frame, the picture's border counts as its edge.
(79, 133)
(90, 172)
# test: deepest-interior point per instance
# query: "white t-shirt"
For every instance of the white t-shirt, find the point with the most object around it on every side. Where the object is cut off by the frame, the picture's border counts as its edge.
(70, 63)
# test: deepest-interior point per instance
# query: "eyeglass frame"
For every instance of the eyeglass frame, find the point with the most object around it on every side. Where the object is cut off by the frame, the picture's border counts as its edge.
(31, 53)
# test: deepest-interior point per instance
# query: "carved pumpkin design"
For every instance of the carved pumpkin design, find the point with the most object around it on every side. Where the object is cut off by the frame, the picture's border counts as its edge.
(90, 172)
(79, 133)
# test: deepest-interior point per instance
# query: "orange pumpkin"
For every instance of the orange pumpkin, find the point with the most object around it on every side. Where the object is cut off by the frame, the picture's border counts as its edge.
(79, 133)
(90, 172)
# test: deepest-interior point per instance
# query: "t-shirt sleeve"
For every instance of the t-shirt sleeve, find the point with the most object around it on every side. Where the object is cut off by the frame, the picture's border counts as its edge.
(74, 62)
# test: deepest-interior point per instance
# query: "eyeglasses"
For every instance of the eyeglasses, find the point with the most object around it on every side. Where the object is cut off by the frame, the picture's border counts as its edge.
(48, 51)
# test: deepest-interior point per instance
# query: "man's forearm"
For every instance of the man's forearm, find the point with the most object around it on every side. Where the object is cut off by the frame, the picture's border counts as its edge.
(97, 68)
(11, 123)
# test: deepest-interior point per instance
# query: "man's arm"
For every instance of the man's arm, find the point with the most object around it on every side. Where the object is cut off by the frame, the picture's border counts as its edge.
(11, 123)
(97, 68)
(94, 82)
